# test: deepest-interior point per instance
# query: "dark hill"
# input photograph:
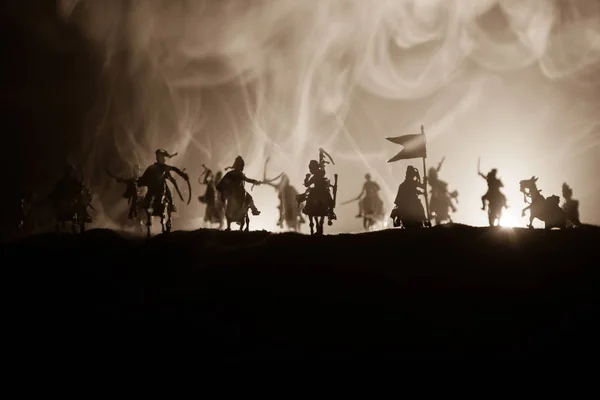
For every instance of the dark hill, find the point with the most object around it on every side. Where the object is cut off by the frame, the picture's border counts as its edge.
(444, 292)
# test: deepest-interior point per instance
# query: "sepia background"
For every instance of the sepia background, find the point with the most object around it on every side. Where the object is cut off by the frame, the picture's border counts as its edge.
(104, 83)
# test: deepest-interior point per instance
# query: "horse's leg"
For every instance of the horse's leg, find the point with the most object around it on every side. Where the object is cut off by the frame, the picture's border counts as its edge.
(228, 225)
(320, 222)
(247, 218)
(311, 224)
(531, 218)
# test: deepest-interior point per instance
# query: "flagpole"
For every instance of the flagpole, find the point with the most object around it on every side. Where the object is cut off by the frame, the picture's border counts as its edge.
(425, 182)
(426, 197)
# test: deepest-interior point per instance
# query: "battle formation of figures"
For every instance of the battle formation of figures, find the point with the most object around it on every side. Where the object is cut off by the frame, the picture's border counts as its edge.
(227, 201)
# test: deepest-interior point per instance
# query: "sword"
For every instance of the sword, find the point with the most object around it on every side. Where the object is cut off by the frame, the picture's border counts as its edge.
(187, 180)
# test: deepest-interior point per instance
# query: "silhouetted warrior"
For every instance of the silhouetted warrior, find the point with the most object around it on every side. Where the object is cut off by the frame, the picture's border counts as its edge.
(68, 186)
(370, 203)
(317, 185)
(155, 178)
(132, 191)
(411, 188)
(214, 206)
(70, 198)
(493, 192)
(287, 195)
(409, 209)
(233, 183)
(570, 206)
(441, 199)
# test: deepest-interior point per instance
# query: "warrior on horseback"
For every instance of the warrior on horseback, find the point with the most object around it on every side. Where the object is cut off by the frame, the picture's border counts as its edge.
(370, 205)
(133, 193)
(494, 186)
(496, 200)
(545, 209)
(214, 207)
(371, 202)
(570, 206)
(320, 202)
(441, 200)
(159, 200)
(318, 185)
(286, 193)
(71, 199)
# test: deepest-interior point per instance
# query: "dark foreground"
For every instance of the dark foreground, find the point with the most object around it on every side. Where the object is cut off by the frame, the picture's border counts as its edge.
(443, 292)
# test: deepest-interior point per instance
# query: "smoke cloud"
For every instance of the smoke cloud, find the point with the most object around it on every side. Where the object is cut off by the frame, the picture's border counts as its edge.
(213, 79)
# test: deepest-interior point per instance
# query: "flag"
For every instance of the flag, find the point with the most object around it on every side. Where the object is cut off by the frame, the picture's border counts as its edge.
(413, 147)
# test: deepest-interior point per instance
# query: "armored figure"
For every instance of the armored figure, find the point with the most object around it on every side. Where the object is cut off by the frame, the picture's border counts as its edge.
(158, 200)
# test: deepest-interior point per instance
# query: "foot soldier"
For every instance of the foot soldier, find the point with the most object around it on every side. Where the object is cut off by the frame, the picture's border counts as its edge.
(440, 203)
(570, 206)
(70, 200)
(320, 202)
(158, 201)
(133, 192)
(409, 212)
(235, 181)
(214, 213)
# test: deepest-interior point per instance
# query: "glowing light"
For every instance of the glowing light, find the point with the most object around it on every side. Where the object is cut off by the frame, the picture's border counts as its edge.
(295, 74)
(510, 220)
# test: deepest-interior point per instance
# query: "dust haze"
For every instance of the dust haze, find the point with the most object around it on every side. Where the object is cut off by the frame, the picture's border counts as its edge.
(513, 82)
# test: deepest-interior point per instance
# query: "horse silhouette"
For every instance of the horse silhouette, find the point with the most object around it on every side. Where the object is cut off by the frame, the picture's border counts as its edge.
(546, 210)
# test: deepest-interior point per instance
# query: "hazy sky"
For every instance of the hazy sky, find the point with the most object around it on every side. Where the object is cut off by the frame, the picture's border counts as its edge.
(514, 82)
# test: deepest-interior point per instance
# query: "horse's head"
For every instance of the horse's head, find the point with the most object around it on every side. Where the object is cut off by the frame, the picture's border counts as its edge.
(528, 186)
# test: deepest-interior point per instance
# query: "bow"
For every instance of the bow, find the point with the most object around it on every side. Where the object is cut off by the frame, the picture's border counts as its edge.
(479, 166)
(187, 180)
(204, 173)
(322, 160)
(335, 187)
(174, 182)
